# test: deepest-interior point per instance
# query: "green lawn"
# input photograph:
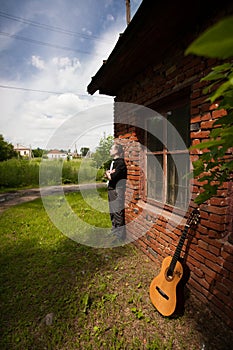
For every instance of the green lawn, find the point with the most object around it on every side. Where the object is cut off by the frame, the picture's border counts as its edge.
(58, 294)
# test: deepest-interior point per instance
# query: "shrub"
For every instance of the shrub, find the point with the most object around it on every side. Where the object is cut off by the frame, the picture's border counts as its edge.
(18, 172)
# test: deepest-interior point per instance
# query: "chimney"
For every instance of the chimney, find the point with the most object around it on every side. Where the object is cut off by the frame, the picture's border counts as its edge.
(127, 2)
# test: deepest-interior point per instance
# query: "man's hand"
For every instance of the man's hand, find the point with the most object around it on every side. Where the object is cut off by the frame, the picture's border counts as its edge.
(109, 172)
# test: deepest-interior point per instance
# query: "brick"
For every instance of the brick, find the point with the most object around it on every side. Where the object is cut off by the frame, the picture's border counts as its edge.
(205, 107)
(200, 134)
(222, 302)
(215, 242)
(220, 287)
(198, 85)
(213, 234)
(213, 266)
(204, 215)
(217, 201)
(195, 119)
(213, 106)
(214, 250)
(193, 262)
(207, 124)
(214, 209)
(228, 265)
(213, 225)
(197, 102)
(194, 111)
(221, 219)
(198, 272)
(195, 94)
(203, 283)
(197, 256)
(208, 271)
(206, 117)
(218, 113)
(226, 281)
(208, 255)
(228, 248)
(201, 291)
(202, 229)
(202, 244)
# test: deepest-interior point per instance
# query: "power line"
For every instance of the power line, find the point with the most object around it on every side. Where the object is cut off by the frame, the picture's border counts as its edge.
(48, 27)
(44, 91)
(38, 42)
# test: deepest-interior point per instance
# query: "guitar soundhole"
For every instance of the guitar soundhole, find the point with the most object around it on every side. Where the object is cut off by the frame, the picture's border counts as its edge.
(169, 275)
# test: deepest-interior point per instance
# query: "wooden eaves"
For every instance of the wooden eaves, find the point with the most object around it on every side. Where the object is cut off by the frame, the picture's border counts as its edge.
(156, 26)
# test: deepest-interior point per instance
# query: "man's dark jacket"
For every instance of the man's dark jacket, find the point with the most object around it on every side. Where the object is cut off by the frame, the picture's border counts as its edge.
(119, 174)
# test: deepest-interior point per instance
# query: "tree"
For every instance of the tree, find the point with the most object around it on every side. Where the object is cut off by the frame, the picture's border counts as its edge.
(38, 152)
(101, 156)
(84, 151)
(213, 167)
(6, 150)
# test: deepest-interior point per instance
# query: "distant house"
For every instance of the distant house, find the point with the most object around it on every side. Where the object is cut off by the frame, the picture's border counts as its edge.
(23, 151)
(56, 154)
(148, 68)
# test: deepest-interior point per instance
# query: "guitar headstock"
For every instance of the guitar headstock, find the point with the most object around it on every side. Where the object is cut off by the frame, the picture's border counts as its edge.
(194, 217)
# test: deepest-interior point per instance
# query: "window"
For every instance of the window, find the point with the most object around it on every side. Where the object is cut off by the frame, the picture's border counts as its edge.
(168, 158)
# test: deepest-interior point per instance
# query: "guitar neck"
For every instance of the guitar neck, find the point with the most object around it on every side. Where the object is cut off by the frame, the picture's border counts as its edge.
(178, 250)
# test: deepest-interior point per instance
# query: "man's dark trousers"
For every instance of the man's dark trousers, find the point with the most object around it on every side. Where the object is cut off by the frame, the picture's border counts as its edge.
(116, 199)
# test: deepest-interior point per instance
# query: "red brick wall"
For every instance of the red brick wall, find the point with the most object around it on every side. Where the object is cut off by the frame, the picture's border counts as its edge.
(209, 250)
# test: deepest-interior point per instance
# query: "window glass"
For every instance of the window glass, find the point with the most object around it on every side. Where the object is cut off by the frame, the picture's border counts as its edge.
(180, 121)
(177, 182)
(155, 127)
(167, 159)
(155, 176)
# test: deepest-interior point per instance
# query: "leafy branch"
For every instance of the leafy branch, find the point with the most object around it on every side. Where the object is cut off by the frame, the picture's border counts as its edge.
(215, 164)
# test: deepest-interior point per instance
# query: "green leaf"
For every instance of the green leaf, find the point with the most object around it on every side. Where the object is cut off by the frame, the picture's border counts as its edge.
(227, 166)
(225, 120)
(220, 91)
(202, 197)
(227, 101)
(214, 75)
(215, 132)
(207, 144)
(223, 67)
(216, 42)
(208, 88)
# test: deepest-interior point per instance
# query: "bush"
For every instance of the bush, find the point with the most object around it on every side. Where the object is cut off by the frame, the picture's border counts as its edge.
(18, 172)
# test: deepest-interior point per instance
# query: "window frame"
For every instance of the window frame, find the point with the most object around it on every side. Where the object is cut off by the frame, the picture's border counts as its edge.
(165, 155)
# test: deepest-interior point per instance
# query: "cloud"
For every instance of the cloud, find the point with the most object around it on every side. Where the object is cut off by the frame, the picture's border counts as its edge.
(31, 118)
(37, 62)
(110, 18)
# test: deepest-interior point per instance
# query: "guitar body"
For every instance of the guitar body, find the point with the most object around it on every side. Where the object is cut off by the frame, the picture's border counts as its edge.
(163, 288)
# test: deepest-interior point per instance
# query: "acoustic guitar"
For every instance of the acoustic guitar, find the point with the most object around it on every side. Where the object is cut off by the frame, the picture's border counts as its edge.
(163, 288)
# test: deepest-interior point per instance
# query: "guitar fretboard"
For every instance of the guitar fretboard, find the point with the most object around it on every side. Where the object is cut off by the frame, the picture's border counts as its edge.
(178, 251)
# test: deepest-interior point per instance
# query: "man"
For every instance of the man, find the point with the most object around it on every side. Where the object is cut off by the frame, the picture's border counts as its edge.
(117, 175)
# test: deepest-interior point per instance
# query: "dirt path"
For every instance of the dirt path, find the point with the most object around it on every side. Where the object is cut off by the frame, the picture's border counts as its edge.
(10, 199)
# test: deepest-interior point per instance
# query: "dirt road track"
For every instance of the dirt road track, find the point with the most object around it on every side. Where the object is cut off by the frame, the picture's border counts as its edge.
(13, 198)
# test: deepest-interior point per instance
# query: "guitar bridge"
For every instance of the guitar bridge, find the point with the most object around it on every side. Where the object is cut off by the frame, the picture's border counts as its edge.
(164, 295)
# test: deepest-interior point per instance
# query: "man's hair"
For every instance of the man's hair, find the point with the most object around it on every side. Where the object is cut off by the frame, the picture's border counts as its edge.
(119, 148)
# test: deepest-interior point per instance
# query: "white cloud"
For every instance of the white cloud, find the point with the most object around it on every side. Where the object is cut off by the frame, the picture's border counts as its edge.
(31, 118)
(86, 31)
(37, 62)
(110, 18)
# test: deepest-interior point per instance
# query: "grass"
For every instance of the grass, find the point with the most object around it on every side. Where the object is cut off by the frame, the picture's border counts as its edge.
(21, 173)
(58, 294)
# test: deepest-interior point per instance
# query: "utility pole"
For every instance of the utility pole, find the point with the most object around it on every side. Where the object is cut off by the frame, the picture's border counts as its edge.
(127, 2)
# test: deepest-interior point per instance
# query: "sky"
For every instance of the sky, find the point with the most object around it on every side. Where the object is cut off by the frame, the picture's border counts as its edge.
(49, 50)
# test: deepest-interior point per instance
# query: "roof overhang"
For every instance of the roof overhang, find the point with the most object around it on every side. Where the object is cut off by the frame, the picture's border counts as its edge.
(156, 26)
